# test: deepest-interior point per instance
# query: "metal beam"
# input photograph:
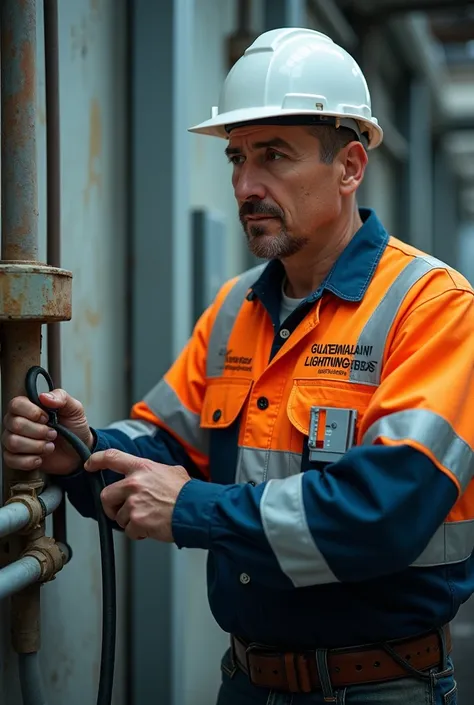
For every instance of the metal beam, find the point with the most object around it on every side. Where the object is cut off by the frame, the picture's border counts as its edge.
(384, 8)
(338, 26)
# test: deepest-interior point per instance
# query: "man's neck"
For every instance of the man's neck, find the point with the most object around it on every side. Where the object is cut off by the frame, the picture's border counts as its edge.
(306, 270)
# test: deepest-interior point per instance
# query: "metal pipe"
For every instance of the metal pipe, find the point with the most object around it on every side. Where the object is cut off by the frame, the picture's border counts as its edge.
(30, 679)
(21, 341)
(19, 575)
(51, 498)
(53, 203)
(13, 517)
(16, 515)
(18, 98)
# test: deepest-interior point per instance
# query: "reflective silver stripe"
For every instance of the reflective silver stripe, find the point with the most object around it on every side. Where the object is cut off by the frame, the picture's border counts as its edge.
(286, 528)
(164, 402)
(431, 431)
(225, 319)
(453, 542)
(258, 465)
(375, 332)
(133, 428)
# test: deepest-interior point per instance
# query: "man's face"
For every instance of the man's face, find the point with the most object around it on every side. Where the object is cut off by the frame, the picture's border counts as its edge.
(285, 194)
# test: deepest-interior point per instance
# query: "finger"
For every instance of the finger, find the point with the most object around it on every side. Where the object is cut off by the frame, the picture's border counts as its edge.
(22, 462)
(134, 532)
(122, 516)
(21, 426)
(60, 399)
(113, 459)
(27, 446)
(113, 497)
(22, 406)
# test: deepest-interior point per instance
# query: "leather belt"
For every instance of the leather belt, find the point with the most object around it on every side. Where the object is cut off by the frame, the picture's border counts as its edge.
(297, 672)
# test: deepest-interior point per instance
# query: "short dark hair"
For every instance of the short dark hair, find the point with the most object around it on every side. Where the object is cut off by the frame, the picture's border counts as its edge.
(332, 140)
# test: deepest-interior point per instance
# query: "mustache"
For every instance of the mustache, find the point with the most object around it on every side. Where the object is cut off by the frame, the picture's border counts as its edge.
(259, 208)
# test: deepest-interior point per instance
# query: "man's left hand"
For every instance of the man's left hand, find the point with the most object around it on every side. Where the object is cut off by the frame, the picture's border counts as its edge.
(143, 502)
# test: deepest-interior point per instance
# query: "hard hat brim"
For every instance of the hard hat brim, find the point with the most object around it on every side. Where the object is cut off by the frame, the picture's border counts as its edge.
(216, 126)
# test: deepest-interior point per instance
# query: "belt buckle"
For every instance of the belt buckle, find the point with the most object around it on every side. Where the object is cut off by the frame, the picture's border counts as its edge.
(252, 648)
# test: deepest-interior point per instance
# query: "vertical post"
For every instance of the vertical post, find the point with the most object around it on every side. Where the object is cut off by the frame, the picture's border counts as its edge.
(284, 13)
(21, 340)
(161, 36)
(420, 168)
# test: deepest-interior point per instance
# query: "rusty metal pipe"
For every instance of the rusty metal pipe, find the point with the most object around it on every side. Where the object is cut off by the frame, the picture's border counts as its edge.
(18, 98)
(53, 203)
(21, 341)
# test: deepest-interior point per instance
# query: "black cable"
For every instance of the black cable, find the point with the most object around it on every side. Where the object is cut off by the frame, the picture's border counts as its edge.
(107, 552)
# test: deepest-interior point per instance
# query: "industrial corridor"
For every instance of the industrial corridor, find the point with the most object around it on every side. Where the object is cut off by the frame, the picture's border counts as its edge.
(237, 352)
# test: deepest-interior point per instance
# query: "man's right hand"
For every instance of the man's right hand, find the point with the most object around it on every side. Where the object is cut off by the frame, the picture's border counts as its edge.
(29, 444)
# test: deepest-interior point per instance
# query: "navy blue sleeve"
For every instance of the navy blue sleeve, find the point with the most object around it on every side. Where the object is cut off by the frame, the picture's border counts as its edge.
(160, 447)
(370, 514)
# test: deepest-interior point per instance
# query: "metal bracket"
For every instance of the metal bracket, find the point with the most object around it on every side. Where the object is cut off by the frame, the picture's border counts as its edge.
(331, 433)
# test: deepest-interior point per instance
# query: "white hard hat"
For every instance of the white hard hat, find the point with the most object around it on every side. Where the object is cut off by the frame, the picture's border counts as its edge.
(295, 76)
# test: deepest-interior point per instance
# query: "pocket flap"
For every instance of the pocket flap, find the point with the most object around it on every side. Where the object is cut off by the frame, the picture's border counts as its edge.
(307, 393)
(223, 402)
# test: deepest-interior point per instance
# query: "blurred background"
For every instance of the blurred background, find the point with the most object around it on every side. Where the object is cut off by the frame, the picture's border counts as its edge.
(149, 229)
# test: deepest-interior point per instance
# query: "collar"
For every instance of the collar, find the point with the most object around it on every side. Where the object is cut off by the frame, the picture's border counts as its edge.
(351, 274)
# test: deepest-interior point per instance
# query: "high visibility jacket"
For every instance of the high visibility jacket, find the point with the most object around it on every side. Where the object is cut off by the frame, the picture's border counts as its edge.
(332, 453)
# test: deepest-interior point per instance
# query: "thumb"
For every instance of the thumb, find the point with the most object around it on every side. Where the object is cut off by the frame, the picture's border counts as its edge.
(60, 399)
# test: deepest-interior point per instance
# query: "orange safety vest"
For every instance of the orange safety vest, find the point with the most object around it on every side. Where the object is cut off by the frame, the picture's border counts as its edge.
(394, 368)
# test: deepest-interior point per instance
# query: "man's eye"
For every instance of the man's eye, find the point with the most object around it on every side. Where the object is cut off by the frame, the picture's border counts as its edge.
(274, 156)
(236, 159)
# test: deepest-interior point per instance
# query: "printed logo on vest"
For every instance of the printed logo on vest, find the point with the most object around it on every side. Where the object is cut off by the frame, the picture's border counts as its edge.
(337, 359)
(234, 363)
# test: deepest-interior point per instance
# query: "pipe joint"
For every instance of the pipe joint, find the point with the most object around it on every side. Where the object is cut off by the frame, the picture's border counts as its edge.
(27, 494)
(49, 555)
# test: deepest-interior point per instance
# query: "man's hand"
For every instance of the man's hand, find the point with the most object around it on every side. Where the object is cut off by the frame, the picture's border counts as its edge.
(143, 502)
(29, 443)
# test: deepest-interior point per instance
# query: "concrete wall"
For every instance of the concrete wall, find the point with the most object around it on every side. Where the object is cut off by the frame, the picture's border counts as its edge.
(93, 112)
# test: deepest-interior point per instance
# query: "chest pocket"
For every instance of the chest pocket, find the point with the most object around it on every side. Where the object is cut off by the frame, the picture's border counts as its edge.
(327, 417)
(223, 403)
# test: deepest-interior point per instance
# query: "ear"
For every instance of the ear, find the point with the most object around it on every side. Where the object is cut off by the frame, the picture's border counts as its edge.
(353, 162)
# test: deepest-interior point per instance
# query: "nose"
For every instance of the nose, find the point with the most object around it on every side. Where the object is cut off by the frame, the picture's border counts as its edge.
(248, 183)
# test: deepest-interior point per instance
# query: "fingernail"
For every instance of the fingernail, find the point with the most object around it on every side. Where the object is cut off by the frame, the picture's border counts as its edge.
(49, 447)
(51, 435)
(48, 395)
(38, 461)
(44, 419)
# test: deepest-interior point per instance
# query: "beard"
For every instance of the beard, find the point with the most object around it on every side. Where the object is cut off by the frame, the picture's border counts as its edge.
(262, 240)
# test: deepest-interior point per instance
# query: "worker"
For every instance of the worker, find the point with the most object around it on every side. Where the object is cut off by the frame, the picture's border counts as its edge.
(315, 434)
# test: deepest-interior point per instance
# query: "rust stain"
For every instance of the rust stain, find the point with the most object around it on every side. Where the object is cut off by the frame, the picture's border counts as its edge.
(95, 148)
(93, 318)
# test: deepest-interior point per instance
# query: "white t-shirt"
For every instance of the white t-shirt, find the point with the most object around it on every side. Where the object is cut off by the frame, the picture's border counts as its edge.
(287, 305)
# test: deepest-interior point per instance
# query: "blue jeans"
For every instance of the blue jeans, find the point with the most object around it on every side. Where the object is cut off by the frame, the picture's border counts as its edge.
(438, 689)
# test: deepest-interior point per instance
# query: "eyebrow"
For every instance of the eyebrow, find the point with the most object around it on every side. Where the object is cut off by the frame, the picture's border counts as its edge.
(275, 142)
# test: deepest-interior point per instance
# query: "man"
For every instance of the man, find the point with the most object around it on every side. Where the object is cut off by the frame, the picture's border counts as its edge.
(316, 433)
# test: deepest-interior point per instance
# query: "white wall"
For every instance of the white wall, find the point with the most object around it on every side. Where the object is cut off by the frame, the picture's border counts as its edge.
(92, 86)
